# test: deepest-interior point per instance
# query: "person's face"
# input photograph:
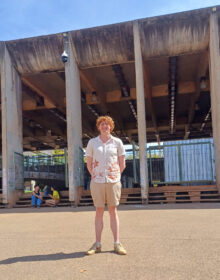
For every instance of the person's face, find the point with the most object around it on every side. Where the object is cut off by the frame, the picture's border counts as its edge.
(37, 188)
(104, 127)
(52, 189)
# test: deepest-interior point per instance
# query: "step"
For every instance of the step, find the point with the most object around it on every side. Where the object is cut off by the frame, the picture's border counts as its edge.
(210, 199)
(134, 198)
(23, 202)
(183, 201)
(85, 204)
(185, 195)
(42, 206)
(182, 188)
(29, 200)
(85, 199)
(157, 197)
(131, 197)
(133, 202)
(158, 202)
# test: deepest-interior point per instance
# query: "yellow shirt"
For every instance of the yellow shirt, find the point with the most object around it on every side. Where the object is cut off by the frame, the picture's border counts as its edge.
(56, 195)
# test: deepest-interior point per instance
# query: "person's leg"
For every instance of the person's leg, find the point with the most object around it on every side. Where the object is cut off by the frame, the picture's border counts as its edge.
(50, 202)
(114, 222)
(113, 191)
(99, 223)
(33, 200)
(98, 196)
(39, 201)
(56, 202)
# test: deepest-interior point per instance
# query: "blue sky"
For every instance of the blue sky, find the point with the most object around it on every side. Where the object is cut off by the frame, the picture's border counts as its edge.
(28, 18)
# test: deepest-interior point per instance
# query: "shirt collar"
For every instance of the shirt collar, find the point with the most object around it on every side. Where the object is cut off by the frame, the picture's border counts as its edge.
(111, 137)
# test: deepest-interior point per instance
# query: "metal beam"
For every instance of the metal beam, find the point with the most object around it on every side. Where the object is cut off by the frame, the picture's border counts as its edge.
(148, 95)
(162, 90)
(201, 72)
(48, 99)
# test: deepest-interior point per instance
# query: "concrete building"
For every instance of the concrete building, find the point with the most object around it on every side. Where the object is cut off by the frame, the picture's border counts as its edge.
(157, 77)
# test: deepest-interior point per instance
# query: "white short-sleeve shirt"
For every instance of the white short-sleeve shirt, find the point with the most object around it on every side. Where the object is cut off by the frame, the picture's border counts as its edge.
(105, 163)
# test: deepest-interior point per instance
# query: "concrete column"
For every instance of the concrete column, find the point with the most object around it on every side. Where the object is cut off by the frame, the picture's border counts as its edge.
(214, 72)
(74, 120)
(12, 135)
(141, 114)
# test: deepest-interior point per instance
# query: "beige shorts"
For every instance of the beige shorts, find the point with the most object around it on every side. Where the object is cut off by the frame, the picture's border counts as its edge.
(105, 192)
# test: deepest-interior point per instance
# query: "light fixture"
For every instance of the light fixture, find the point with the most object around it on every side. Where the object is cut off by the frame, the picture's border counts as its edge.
(49, 132)
(197, 107)
(94, 96)
(125, 91)
(203, 83)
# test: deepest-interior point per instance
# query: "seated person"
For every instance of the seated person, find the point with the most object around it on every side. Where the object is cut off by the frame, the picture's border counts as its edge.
(55, 198)
(36, 198)
(47, 190)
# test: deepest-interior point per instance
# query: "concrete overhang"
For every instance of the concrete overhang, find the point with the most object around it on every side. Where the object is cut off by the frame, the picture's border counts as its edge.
(168, 35)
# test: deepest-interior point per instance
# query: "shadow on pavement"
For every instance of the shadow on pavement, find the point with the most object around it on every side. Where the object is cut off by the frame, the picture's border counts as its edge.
(50, 257)
(38, 258)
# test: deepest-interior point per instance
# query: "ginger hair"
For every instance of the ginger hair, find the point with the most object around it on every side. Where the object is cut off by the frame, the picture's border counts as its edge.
(107, 119)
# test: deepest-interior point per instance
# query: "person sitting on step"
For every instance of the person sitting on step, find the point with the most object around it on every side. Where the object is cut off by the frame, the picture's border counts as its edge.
(55, 198)
(36, 198)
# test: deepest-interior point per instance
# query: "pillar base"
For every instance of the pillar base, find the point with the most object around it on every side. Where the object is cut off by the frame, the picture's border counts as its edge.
(144, 201)
(13, 197)
(73, 204)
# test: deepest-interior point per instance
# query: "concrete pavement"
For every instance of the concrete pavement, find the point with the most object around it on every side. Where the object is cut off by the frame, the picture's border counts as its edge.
(163, 242)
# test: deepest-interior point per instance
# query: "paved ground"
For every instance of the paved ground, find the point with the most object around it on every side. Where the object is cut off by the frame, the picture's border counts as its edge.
(163, 242)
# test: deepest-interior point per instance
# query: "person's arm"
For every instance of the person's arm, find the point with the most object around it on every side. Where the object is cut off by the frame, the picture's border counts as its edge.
(89, 164)
(121, 156)
(50, 195)
(89, 157)
(34, 194)
(122, 164)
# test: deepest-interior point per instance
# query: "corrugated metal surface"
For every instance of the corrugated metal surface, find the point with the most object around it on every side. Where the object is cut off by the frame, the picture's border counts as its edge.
(189, 160)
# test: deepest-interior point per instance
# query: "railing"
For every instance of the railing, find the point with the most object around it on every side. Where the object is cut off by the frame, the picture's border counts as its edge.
(185, 163)
(51, 167)
(190, 163)
(18, 179)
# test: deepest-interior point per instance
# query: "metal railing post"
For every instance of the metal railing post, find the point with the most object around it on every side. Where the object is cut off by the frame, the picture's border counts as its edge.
(180, 163)
(134, 163)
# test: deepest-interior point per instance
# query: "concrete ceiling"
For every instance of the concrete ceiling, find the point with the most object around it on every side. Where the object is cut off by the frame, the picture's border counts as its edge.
(184, 35)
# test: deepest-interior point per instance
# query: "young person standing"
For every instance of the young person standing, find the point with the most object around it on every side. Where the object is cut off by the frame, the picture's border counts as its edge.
(106, 161)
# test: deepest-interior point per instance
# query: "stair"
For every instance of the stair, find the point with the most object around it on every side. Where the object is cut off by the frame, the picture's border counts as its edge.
(163, 195)
(25, 202)
(131, 196)
(86, 200)
(183, 194)
(1, 204)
